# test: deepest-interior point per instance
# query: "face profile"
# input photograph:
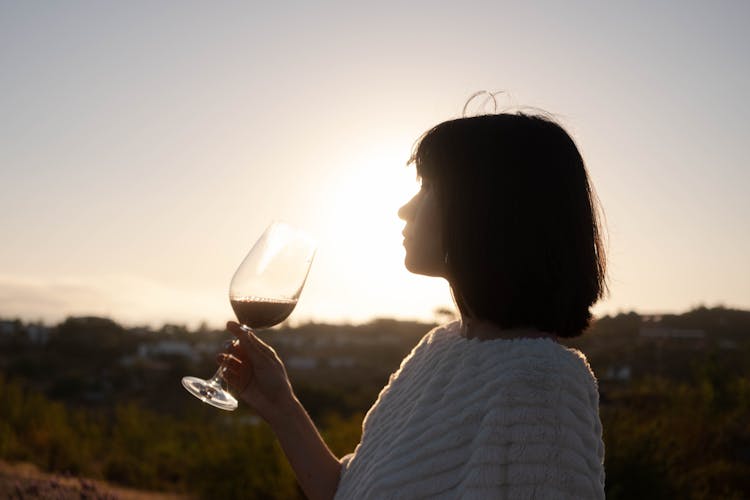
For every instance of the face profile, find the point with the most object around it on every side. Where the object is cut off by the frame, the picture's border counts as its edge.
(423, 238)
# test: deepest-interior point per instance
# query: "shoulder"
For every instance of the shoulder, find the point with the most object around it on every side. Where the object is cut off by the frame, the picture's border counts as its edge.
(539, 414)
(516, 382)
(524, 356)
(444, 332)
(433, 341)
(549, 370)
(432, 344)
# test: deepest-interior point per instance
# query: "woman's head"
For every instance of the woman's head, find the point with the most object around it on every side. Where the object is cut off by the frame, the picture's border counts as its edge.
(514, 222)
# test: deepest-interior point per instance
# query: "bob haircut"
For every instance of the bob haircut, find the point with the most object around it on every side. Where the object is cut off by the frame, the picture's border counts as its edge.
(521, 235)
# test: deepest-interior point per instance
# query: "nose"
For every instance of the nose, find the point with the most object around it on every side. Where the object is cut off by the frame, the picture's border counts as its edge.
(406, 211)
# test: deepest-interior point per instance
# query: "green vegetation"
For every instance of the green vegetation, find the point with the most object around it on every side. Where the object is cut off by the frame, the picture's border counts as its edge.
(101, 401)
(136, 447)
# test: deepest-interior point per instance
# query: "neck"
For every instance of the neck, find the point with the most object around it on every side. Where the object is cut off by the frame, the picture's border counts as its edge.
(473, 328)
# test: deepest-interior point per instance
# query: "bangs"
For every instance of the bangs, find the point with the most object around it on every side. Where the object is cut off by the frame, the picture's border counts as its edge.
(429, 155)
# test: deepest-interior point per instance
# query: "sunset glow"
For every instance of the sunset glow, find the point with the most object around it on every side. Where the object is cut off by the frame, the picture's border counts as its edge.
(145, 147)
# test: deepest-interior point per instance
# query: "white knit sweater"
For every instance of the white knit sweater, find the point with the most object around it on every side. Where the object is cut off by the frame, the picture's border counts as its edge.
(497, 418)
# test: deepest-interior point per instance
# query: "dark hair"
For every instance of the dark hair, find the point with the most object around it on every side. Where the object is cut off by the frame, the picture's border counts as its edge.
(521, 233)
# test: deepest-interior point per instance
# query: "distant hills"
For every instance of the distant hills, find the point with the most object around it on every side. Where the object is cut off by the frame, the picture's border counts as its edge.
(91, 360)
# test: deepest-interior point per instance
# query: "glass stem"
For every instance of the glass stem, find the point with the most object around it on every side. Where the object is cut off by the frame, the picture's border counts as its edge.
(218, 378)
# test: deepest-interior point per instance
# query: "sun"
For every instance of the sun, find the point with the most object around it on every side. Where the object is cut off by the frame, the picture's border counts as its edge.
(361, 251)
(366, 199)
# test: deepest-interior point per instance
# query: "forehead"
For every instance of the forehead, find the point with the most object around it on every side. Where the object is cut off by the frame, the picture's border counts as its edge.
(427, 171)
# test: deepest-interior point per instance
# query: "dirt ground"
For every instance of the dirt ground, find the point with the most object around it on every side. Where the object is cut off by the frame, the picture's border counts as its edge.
(26, 481)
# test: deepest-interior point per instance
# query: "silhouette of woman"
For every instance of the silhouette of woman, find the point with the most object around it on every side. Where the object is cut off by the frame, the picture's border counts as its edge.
(491, 405)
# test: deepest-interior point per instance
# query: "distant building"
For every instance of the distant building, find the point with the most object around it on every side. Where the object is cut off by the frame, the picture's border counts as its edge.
(694, 338)
(167, 348)
(727, 344)
(657, 332)
(7, 327)
(620, 373)
(207, 348)
(301, 363)
(289, 340)
(341, 362)
(37, 334)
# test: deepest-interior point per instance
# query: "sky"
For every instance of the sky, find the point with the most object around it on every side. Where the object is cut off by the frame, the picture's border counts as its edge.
(144, 146)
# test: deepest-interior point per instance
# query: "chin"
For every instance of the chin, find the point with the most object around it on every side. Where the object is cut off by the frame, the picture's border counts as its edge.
(410, 266)
(421, 269)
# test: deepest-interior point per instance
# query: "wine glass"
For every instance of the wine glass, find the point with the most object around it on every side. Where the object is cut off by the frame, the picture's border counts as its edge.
(263, 292)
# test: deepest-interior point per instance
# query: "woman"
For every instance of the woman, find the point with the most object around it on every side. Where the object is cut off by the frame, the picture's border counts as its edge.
(490, 406)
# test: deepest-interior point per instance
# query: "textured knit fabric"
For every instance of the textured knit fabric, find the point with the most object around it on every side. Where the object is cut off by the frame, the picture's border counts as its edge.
(501, 418)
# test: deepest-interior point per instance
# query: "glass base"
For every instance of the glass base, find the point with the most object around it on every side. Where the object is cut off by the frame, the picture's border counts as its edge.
(209, 392)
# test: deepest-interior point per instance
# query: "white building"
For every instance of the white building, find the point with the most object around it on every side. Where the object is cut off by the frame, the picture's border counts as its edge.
(167, 348)
(301, 363)
(621, 373)
(7, 327)
(342, 362)
(37, 334)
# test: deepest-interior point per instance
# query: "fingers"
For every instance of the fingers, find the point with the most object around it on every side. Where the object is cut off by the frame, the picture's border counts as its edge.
(247, 338)
(228, 359)
(236, 329)
(234, 371)
(243, 334)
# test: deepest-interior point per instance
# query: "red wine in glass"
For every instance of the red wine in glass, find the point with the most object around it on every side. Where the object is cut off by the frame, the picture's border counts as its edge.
(263, 293)
(258, 313)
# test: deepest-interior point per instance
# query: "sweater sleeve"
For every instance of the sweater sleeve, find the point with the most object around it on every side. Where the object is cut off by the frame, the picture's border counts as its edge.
(540, 437)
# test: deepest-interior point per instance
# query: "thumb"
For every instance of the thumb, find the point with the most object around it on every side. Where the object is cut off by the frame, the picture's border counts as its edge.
(247, 339)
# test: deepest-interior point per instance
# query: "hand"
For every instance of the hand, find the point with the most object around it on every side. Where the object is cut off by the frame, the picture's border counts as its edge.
(255, 373)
